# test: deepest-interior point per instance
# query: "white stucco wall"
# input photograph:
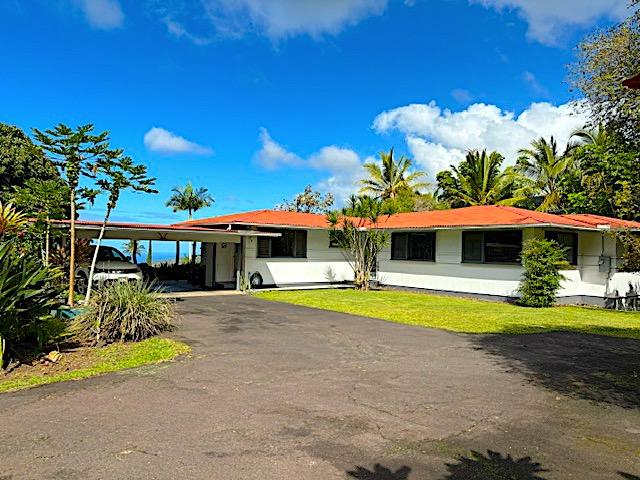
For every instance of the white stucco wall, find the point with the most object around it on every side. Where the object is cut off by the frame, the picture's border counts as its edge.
(322, 265)
(448, 273)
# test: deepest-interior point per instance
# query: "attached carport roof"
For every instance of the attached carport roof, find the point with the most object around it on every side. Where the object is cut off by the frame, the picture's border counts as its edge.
(144, 231)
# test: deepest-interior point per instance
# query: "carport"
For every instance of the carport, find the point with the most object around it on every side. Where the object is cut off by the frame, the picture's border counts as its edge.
(222, 250)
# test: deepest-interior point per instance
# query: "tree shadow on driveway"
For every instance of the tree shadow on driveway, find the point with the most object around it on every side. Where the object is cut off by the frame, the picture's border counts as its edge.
(591, 367)
(476, 466)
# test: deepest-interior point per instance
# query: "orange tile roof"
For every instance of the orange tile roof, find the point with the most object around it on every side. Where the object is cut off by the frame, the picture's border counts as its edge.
(264, 217)
(478, 216)
(595, 220)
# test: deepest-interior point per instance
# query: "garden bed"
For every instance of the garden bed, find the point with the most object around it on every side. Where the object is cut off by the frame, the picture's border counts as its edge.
(78, 363)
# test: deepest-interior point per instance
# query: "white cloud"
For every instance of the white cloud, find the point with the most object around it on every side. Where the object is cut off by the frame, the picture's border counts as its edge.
(177, 30)
(272, 155)
(343, 165)
(548, 19)
(437, 138)
(163, 141)
(274, 19)
(536, 87)
(461, 95)
(103, 14)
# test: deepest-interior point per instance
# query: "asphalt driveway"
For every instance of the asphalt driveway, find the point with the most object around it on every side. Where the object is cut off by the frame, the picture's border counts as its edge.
(277, 391)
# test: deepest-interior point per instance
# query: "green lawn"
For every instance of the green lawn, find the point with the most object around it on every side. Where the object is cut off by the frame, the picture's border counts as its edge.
(117, 356)
(464, 315)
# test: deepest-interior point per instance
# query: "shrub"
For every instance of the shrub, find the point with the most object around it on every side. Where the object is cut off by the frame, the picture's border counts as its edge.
(631, 255)
(542, 261)
(129, 311)
(29, 292)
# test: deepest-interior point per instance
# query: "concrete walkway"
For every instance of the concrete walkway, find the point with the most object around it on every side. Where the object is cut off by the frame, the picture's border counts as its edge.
(275, 391)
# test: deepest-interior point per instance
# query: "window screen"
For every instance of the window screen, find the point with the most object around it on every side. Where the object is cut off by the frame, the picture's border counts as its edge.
(502, 247)
(399, 246)
(422, 246)
(499, 246)
(291, 243)
(472, 247)
(566, 240)
(413, 246)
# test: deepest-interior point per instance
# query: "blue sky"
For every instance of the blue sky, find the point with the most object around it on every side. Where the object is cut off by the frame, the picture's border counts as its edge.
(255, 99)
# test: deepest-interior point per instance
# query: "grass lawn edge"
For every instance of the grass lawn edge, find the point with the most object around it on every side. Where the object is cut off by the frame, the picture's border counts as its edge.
(450, 313)
(113, 358)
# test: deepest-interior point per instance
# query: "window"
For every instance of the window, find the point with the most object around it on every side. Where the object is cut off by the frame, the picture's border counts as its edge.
(290, 244)
(110, 254)
(333, 241)
(413, 246)
(566, 240)
(498, 246)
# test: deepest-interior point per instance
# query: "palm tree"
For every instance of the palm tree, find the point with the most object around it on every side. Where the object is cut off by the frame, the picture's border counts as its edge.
(589, 136)
(546, 167)
(392, 177)
(191, 200)
(133, 248)
(479, 180)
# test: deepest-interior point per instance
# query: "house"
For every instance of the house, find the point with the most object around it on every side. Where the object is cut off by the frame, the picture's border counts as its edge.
(471, 251)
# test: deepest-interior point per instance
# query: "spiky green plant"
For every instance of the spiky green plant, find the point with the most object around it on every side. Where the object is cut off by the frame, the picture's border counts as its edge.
(130, 311)
(29, 292)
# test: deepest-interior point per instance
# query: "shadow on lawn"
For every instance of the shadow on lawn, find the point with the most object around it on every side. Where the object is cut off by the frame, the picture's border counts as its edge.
(477, 466)
(591, 367)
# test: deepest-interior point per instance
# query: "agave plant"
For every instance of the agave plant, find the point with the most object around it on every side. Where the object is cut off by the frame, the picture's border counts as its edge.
(11, 220)
(28, 294)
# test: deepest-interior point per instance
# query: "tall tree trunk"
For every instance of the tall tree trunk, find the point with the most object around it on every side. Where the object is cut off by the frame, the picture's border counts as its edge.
(95, 256)
(193, 253)
(47, 241)
(149, 255)
(134, 247)
(178, 252)
(72, 249)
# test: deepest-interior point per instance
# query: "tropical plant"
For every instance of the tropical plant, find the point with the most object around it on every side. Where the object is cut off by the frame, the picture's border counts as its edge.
(391, 177)
(43, 200)
(308, 201)
(20, 161)
(542, 261)
(589, 136)
(116, 173)
(12, 221)
(631, 253)
(60, 255)
(191, 200)
(546, 167)
(124, 311)
(479, 180)
(360, 244)
(133, 248)
(28, 294)
(604, 60)
(606, 181)
(76, 153)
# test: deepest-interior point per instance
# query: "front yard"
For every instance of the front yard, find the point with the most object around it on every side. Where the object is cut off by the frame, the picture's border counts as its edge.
(90, 362)
(462, 314)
